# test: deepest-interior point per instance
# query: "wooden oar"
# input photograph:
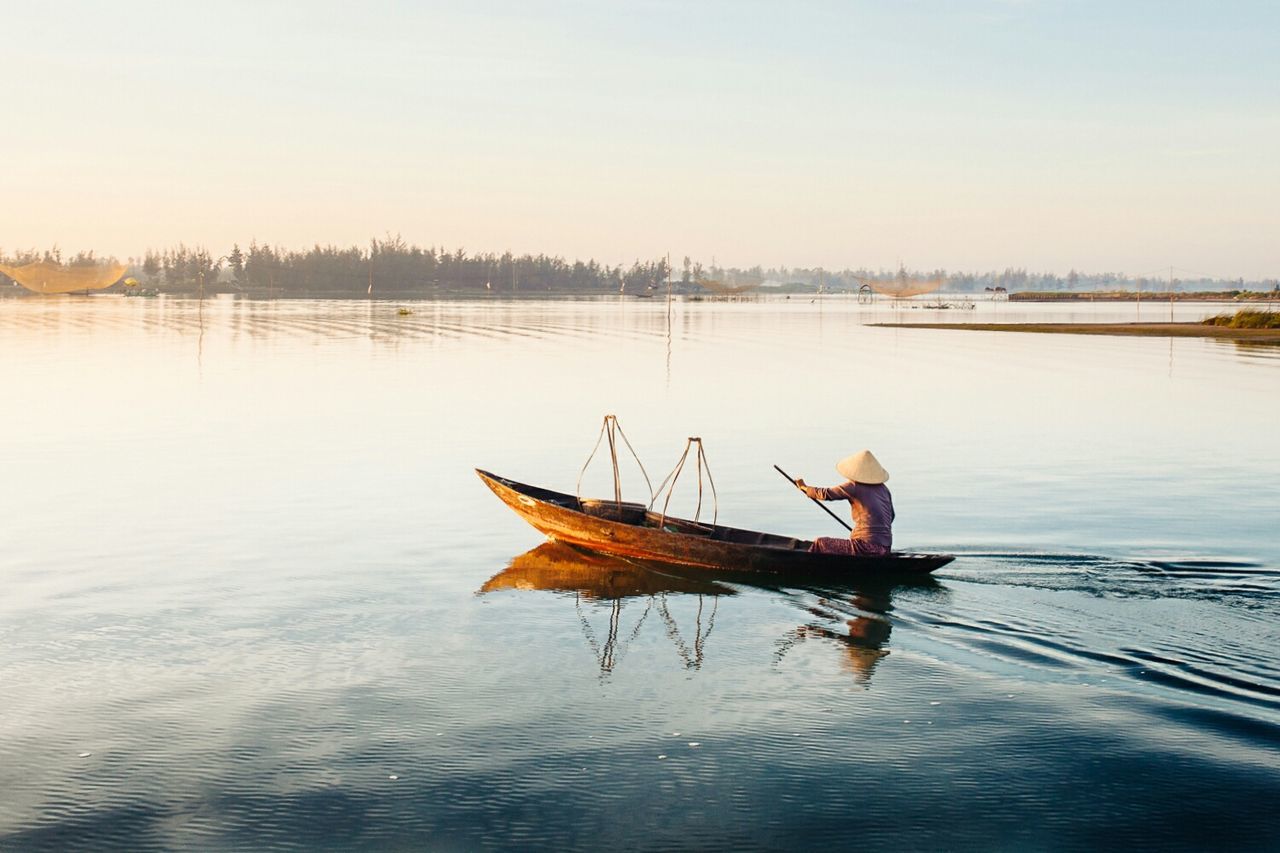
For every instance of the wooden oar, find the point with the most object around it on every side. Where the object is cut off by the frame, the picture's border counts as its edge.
(815, 500)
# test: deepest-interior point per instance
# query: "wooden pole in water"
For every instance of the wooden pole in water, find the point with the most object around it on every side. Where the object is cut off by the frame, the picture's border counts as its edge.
(668, 296)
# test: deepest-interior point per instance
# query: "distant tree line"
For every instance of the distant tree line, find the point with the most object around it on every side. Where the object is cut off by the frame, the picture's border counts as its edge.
(54, 255)
(390, 266)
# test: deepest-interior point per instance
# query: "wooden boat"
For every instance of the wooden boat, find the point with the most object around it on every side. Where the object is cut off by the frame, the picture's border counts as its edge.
(632, 530)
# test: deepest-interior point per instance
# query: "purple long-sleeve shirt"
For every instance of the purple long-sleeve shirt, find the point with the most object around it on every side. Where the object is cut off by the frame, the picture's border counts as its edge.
(872, 508)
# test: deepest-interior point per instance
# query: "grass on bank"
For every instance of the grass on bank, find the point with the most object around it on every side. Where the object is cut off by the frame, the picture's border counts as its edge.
(1246, 319)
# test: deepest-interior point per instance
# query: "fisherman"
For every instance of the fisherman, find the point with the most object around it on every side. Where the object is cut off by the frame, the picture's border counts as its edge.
(870, 502)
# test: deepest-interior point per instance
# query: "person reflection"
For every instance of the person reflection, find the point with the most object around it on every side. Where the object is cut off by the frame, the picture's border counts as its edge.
(858, 625)
(862, 643)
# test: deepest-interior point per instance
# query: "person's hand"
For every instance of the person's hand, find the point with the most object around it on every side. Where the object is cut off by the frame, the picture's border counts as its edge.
(800, 484)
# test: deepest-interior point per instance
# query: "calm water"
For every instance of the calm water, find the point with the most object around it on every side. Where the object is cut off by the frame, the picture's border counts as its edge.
(254, 595)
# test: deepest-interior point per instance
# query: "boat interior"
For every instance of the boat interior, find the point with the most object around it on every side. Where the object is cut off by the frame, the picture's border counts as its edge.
(639, 515)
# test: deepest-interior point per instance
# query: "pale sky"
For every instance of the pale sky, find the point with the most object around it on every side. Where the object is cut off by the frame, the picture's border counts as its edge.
(1046, 134)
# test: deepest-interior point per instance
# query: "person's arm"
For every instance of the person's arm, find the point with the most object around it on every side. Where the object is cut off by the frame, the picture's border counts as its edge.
(843, 492)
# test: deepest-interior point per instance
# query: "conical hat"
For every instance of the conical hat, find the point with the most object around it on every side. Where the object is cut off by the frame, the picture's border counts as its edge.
(862, 467)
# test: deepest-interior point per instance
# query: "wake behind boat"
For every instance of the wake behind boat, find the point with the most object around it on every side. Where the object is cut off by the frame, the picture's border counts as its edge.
(633, 530)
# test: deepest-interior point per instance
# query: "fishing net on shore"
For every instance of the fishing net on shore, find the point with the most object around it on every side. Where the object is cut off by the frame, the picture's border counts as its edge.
(901, 286)
(50, 277)
(743, 284)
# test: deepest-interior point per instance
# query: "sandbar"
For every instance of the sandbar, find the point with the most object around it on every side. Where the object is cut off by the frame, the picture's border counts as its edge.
(1148, 330)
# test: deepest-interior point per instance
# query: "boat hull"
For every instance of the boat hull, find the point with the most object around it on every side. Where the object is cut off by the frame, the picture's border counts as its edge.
(560, 517)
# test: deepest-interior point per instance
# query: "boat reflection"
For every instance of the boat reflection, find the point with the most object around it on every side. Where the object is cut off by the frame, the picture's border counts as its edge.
(853, 615)
(553, 567)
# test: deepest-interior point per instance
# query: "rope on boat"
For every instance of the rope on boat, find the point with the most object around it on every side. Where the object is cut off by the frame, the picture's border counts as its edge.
(613, 430)
(700, 461)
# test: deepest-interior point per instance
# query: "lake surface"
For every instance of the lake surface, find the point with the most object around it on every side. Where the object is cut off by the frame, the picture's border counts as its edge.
(255, 596)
